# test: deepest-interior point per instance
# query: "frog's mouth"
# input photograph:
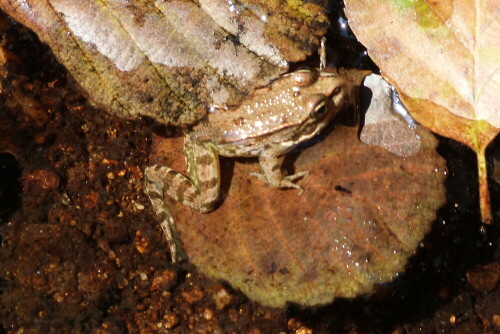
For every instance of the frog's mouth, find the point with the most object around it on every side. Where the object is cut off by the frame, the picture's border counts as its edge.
(307, 131)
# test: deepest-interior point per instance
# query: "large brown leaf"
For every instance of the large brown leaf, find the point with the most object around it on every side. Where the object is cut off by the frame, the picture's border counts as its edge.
(363, 213)
(444, 58)
(172, 60)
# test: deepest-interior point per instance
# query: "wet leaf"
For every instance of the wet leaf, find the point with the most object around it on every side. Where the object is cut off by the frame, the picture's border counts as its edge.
(382, 126)
(444, 59)
(363, 213)
(171, 60)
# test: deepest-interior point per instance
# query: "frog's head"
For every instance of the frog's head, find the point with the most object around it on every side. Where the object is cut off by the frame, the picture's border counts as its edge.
(291, 110)
(324, 94)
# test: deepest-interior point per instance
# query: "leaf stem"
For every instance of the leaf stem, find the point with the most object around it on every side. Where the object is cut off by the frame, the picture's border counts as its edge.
(484, 195)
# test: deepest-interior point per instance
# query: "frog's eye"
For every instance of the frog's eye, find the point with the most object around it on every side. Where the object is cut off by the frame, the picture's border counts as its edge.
(319, 110)
(336, 90)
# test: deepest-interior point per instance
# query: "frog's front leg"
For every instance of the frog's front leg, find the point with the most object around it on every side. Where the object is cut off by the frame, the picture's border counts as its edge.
(200, 191)
(272, 175)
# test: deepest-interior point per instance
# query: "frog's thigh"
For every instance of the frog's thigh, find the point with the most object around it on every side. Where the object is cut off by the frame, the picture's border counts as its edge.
(200, 191)
(204, 172)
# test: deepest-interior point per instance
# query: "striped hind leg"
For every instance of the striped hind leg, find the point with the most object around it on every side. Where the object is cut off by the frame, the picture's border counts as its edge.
(154, 190)
(200, 191)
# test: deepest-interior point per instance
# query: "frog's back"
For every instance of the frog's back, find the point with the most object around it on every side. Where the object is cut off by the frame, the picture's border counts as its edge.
(259, 116)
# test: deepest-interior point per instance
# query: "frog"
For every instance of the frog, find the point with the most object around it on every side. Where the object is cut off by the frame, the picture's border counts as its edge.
(273, 121)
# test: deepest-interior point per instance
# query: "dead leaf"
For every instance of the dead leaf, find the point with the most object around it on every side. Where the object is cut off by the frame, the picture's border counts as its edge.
(444, 59)
(363, 213)
(172, 60)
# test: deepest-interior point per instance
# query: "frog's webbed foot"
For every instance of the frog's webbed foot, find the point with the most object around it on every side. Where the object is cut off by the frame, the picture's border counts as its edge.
(272, 174)
(154, 188)
(284, 182)
(291, 178)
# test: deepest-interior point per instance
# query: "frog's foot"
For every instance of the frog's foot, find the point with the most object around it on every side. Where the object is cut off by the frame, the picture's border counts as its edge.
(169, 231)
(291, 178)
(271, 173)
(283, 182)
(154, 188)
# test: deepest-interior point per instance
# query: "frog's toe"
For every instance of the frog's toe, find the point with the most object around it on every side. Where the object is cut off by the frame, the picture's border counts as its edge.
(286, 182)
(289, 181)
(289, 184)
(296, 176)
(261, 177)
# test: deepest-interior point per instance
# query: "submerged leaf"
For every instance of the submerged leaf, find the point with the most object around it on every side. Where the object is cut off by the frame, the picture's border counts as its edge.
(444, 58)
(363, 213)
(172, 60)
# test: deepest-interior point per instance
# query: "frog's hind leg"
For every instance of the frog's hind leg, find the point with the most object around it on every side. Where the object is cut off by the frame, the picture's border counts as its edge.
(204, 177)
(154, 190)
(200, 191)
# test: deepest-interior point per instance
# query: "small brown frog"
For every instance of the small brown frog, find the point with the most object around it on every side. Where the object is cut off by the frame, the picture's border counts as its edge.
(273, 121)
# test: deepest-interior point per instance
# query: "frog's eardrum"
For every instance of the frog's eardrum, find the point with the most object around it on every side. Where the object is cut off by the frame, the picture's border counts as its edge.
(171, 60)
